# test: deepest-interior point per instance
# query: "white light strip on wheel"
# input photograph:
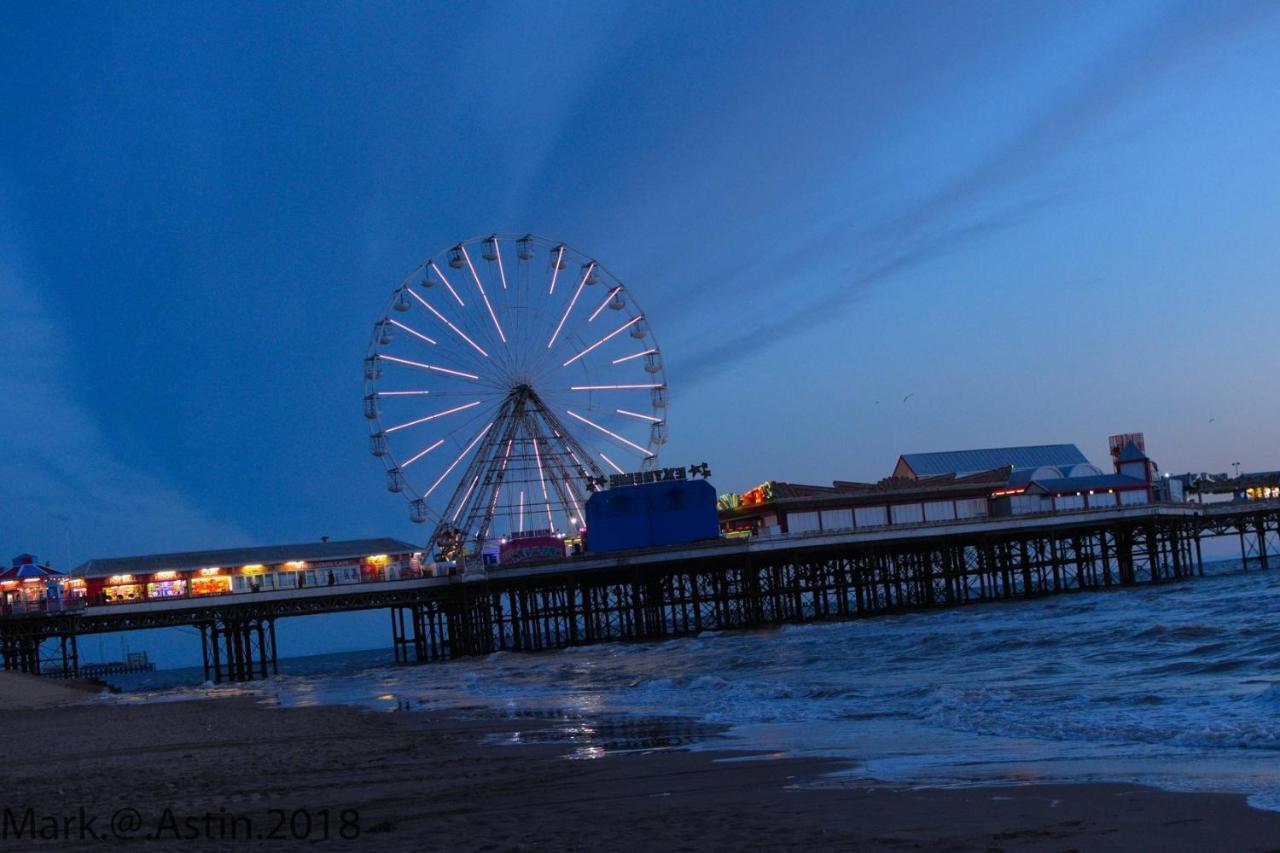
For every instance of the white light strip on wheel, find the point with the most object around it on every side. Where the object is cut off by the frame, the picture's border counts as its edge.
(457, 512)
(440, 273)
(443, 319)
(403, 393)
(461, 456)
(413, 332)
(616, 331)
(650, 418)
(576, 506)
(521, 527)
(542, 479)
(455, 409)
(483, 295)
(555, 271)
(421, 453)
(611, 294)
(497, 490)
(434, 367)
(633, 355)
(612, 387)
(610, 433)
(502, 273)
(572, 302)
(612, 464)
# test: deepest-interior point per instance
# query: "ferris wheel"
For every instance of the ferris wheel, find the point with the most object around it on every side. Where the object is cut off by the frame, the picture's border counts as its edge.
(507, 377)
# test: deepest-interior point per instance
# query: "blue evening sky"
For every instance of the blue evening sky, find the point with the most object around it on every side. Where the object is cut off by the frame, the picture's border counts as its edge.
(1044, 221)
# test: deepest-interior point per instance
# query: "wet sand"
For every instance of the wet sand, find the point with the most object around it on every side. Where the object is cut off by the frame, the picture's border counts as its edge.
(427, 781)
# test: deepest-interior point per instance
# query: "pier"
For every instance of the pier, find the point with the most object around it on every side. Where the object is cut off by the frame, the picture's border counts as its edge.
(717, 585)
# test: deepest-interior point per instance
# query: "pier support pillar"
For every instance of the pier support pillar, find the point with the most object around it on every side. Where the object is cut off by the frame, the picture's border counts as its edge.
(239, 648)
(20, 651)
(408, 634)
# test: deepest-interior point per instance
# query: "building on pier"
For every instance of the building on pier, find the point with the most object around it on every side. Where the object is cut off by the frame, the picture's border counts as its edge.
(950, 486)
(196, 574)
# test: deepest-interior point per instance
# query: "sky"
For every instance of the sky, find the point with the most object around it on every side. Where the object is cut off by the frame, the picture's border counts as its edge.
(857, 230)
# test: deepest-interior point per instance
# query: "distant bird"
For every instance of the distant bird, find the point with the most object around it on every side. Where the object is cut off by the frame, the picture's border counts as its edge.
(1211, 420)
(909, 396)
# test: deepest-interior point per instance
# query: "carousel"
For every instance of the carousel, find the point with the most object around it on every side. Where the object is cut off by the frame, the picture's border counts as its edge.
(28, 586)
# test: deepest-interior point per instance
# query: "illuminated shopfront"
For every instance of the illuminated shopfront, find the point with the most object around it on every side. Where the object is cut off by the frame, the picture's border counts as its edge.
(166, 585)
(122, 588)
(210, 581)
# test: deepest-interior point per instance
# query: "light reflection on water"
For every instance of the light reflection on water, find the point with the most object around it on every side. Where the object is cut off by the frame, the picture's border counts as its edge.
(1176, 685)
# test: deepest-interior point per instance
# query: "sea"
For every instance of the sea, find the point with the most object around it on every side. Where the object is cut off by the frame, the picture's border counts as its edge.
(1176, 686)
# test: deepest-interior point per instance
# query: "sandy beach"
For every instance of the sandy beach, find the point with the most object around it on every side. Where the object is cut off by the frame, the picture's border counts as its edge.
(203, 774)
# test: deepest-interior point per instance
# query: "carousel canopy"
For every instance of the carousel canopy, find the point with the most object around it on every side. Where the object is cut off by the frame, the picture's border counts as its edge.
(27, 567)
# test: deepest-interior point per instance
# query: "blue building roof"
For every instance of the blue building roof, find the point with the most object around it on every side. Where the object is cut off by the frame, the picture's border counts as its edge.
(1085, 484)
(973, 461)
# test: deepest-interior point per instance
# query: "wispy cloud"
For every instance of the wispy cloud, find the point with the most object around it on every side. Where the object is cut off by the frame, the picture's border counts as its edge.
(64, 490)
(942, 221)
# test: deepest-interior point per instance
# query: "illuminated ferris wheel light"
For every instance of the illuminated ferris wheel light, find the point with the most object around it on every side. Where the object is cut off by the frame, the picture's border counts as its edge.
(650, 418)
(614, 387)
(634, 355)
(556, 266)
(421, 453)
(643, 450)
(605, 304)
(441, 317)
(411, 331)
(439, 272)
(607, 337)
(434, 367)
(423, 420)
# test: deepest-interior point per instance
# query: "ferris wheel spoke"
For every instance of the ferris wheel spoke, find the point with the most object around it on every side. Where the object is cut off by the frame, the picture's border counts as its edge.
(607, 337)
(634, 355)
(421, 453)
(623, 387)
(432, 265)
(644, 451)
(604, 303)
(483, 294)
(650, 418)
(433, 417)
(614, 465)
(497, 255)
(432, 367)
(412, 331)
(445, 320)
(556, 266)
(572, 302)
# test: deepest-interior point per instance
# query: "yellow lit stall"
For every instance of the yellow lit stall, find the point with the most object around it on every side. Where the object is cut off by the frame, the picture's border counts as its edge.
(122, 588)
(210, 581)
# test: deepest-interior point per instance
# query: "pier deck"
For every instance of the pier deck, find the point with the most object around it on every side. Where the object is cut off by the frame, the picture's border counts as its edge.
(717, 585)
